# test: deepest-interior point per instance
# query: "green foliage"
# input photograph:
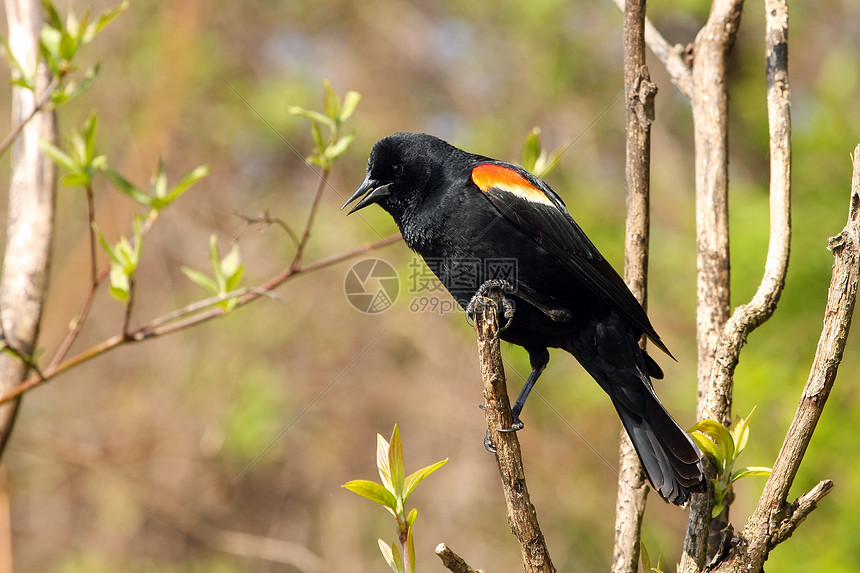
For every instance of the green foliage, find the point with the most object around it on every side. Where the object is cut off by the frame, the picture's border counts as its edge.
(226, 273)
(645, 558)
(81, 161)
(327, 150)
(124, 257)
(392, 493)
(723, 446)
(535, 158)
(160, 195)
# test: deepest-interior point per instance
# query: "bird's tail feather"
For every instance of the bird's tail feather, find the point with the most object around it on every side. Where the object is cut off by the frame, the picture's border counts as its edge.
(671, 460)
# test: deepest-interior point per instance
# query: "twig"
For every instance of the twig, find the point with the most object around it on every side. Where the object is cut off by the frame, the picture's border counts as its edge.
(632, 490)
(303, 241)
(452, 561)
(265, 220)
(772, 514)
(181, 319)
(748, 317)
(40, 105)
(671, 56)
(522, 516)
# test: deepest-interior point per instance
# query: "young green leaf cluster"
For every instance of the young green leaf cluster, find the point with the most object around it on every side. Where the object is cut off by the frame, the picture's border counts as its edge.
(392, 493)
(327, 150)
(723, 446)
(226, 273)
(536, 159)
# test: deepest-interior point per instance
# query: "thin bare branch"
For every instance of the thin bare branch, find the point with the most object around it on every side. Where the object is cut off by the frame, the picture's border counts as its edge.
(640, 92)
(672, 57)
(41, 102)
(452, 561)
(522, 516)
(303, 241)
(748, 317)
(773, 515)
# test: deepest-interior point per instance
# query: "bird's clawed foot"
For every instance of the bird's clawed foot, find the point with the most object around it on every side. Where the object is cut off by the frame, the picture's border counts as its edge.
(508, 307)
(516, 426)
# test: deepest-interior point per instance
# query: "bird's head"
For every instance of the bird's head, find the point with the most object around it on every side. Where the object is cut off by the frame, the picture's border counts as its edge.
(399, 173)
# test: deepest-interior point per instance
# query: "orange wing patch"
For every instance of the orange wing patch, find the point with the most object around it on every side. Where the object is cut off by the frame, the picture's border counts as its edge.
(488, 176)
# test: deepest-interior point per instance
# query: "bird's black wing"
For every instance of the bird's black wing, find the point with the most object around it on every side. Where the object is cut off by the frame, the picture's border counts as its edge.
(530, 204)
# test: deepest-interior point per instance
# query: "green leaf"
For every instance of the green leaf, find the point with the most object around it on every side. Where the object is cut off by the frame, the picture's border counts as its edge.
(416, 477)
(331, 103)
(187, 180)
(77, 179)
(531, 150)
(158, 185)
(89, 135)
(708, 447)
(340, 146)
(316, 134)
(741, 431)
(410, 544)
(410, 519)
(313, 115)
(68, 46)
(215, 261)
(372, 491)
(103, 20)
(718, 509)
(750, 472)
(392, 556)
(722, 438)
(231, 265)
(350, 102)
(58, 156)
(644, 558)
(382, 462)
(396, 464)
(128, 188)
(51, 15)
(120, 285)
(201, 279)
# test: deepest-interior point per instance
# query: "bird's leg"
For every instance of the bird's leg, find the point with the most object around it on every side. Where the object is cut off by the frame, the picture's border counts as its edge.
(521, 399)
(538, 358)
(508, 307)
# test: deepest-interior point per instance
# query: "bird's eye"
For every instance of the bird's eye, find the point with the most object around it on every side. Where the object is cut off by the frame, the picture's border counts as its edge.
(397, 170)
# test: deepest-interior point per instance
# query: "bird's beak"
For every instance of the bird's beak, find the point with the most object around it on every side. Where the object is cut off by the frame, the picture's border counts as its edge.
(372, 192)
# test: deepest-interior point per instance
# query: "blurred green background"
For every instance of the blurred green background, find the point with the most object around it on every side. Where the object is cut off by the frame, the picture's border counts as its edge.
(106, 457)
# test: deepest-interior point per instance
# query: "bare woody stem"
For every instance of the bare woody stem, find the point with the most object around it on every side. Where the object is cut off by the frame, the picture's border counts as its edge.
(711, 52)
(522, 516)
(640, 92)
(774, 520)
(26, 260)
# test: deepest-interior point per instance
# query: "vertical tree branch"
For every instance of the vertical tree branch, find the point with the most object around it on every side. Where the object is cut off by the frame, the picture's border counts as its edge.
(640, 91)
(710, 116)
(522, 516)
(774, 519)
(24, 278)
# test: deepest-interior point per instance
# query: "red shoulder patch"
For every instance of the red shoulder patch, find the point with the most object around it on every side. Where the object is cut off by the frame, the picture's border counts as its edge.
(489, 176)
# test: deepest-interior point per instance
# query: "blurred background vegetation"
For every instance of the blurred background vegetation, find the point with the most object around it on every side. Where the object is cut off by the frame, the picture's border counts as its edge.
(103, 455)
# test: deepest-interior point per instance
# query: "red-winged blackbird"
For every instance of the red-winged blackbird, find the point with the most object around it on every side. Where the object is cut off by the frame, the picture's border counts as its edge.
(465, 213)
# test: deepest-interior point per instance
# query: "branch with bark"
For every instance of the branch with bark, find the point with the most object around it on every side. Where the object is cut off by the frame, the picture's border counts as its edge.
(522, 516)
(640, 91)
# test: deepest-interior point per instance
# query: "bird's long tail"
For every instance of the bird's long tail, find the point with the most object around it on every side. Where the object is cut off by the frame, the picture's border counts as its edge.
(669, 457)
(671, 460)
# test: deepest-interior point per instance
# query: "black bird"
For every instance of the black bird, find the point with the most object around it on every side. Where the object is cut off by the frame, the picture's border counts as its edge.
(457, 209)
